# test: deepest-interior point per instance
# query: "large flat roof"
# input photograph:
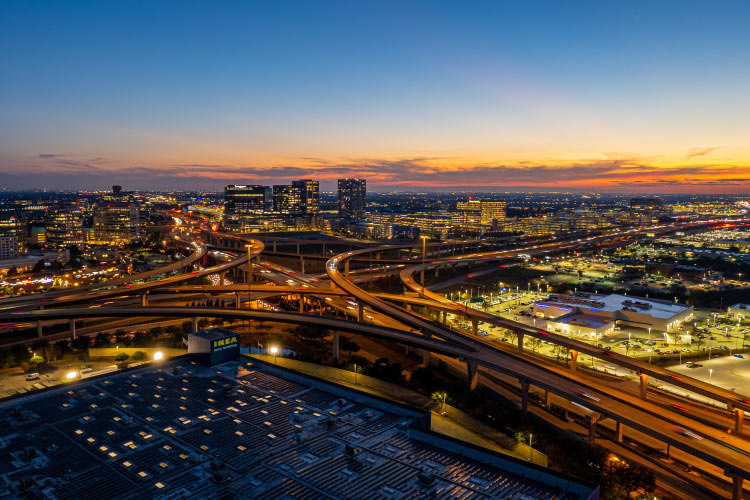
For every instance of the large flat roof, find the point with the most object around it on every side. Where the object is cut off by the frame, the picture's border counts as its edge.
(244, 430)
(615, 302)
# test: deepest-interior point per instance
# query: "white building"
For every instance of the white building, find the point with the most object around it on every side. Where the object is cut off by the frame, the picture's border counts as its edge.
(659, 315)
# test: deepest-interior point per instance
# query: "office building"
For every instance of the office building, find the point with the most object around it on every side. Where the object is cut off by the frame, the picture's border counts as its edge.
(351, 200)
(287, 200)
(63, 226)
(8, 246)
(244, 200)
(302, 197)
(13, 235)
(117, 223)
(309, 192)
(246, 430)
(492, 212)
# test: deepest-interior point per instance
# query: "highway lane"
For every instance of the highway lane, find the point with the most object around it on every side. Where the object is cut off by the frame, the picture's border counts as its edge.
(732, 399)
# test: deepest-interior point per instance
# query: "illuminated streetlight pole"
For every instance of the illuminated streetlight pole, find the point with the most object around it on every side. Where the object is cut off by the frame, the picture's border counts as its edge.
(274, 351)
(424, 253)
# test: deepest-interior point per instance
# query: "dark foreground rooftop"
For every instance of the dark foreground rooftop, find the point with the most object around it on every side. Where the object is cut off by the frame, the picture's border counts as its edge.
(244, 430)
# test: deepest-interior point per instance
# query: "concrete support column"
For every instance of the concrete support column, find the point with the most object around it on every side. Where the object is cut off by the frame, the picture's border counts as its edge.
(222, 278)
(39, 329)
(472, 370)
(73, 329)
(377, 255)
(739, 417)
(644, 384)
(573, 359)
(237, 300)
(618, 429)
(298, 248)
(144, 299)
(436, 272)
(360, 312)
(324, 249)
(274, 246)
(336, 346)
(195, 324)
(346, 268)
(520, 336)
(524, 395)
(592, 420)
(475, 326)
(301, 303)
(302, 264)
(737, 483)
(445, 317)
(249, 270)
(408, 307)
(547, 400)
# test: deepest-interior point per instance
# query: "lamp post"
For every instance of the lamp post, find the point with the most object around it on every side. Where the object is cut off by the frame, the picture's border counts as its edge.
(710, 372)
(531, 452)
(424, 254)
(274, 351)
(249, 274)
(355, 373)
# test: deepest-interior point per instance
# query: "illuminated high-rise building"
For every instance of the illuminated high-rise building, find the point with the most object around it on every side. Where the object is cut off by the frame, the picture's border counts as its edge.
(117, 223)
(244, 200)
(64, 227)
(309, 195)
(352, 194)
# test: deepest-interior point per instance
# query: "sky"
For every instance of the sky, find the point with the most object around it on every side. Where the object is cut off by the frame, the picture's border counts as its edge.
(607, 96)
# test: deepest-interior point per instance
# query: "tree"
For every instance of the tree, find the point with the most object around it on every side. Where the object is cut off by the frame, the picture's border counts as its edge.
(36, 360)
(139, 355)
(534, 344)
(349, 345)
(122, 356)
(20, 353)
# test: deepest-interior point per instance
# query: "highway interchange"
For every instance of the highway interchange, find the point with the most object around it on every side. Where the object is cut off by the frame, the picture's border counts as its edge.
(716, 439)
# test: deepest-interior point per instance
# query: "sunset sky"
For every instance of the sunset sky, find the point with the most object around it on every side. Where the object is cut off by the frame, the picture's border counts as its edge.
(501, 95)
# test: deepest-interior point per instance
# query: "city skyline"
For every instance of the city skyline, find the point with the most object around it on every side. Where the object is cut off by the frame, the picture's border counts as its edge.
(489, 97)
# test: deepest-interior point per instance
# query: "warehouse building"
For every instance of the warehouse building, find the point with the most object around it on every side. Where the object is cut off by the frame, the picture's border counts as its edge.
(245, 429)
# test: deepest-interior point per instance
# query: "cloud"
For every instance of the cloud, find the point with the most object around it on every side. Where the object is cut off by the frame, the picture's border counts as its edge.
(49, 155)
(692, 153)
(609, 173)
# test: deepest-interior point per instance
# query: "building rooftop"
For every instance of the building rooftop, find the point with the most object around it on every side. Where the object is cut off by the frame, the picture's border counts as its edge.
(244, 430)
(582, 320)
(615, 302)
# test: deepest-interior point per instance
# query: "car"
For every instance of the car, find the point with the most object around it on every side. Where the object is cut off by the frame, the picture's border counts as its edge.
(32, 376)
(504, 339)
(483, 332)
(688, 433)
(740, 356)
(608, 348)
(599, 345)
(685, 349)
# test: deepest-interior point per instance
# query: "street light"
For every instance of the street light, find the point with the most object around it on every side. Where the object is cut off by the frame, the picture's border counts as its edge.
(710, 372)
(424, 253)
(274, 351)
(249, 274)
(158, 356)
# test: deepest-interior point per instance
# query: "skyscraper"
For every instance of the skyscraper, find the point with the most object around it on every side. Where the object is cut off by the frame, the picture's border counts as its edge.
(244, 200)
(309, 191)
(64, 227)
(352, 194)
